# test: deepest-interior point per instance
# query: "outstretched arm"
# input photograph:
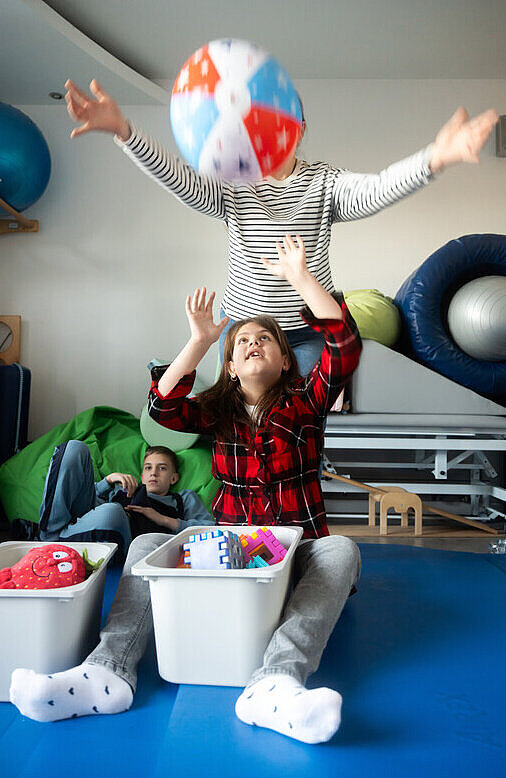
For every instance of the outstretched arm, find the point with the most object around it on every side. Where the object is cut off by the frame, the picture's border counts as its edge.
(357, 195)
(292, 267)
(340, 355)
(204, 332)
(98, 112)
(461, 139)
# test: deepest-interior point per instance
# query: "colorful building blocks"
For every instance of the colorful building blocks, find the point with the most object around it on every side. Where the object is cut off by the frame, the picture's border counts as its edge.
(257, 561)
(264, 544)
(215, 550)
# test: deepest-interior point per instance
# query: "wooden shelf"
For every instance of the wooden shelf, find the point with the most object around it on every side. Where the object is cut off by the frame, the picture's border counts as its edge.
(18, 223)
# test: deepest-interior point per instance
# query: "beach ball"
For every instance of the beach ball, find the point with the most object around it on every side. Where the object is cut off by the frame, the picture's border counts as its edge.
(234, 111)
(25, 163)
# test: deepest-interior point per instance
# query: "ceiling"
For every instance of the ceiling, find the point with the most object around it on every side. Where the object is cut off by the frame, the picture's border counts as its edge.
(138, 46)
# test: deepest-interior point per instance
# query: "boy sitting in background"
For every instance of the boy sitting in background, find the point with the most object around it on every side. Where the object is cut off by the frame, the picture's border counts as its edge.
(116, 508)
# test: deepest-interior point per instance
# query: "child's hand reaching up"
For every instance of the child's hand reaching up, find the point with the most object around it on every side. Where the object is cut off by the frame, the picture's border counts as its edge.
(200, 315)
(204, 332)
(292, 260)
(292, 267)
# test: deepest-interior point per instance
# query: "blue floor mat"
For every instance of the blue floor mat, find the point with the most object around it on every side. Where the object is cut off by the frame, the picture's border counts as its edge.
(418, 656)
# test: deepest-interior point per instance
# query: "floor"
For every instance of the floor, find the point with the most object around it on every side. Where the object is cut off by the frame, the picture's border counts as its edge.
(413, 655)
(438, 535)
(441, 538)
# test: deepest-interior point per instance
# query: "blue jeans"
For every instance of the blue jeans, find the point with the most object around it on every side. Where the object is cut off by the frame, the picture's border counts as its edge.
(70, 506)
(307, 345)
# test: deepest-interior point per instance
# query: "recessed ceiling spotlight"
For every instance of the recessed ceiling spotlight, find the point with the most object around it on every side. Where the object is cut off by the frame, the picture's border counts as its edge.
(56, 95)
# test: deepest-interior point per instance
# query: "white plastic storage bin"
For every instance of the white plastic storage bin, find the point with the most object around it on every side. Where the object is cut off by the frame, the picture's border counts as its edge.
(213, 626)
(49, 630)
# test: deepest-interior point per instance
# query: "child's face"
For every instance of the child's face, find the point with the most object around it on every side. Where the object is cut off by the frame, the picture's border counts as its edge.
(257, 355)
(158, 474)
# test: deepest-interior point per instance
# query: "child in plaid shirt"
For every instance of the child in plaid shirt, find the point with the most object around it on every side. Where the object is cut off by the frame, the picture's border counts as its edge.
(267, 427)
(266, 422)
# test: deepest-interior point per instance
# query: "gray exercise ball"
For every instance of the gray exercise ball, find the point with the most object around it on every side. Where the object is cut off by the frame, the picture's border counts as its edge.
(477, 318)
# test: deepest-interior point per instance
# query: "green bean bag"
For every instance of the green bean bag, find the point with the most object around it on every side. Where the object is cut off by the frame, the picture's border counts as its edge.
(116, 445)
(376, 315)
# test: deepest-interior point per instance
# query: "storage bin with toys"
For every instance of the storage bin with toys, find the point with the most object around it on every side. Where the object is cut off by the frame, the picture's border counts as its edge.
(217, 597)
(50, 604)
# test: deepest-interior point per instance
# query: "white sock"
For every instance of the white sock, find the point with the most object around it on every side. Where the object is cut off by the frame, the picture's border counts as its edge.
(279, 702)
(84, 690)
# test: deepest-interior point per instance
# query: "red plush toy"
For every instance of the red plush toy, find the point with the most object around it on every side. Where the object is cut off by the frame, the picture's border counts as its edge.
(45, 567)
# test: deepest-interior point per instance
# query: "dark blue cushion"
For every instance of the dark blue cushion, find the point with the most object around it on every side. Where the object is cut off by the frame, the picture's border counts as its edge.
(423, 300)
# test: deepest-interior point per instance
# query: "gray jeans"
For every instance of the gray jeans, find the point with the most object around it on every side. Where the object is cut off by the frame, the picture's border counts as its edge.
(325, 572)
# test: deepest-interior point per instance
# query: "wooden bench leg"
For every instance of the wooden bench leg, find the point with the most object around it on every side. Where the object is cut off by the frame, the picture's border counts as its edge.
(372, 511)
(383, 520)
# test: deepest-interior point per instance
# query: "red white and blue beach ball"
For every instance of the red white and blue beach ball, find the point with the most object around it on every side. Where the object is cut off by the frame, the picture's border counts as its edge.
(234, 111)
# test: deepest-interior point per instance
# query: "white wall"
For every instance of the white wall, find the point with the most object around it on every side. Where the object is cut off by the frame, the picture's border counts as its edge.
(101, 286)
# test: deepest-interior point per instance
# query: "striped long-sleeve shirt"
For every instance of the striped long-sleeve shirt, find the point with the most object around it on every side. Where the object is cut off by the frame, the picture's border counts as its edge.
(307, 203)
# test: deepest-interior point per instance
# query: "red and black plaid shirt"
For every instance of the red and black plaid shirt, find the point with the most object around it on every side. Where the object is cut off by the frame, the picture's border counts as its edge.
(273, 476)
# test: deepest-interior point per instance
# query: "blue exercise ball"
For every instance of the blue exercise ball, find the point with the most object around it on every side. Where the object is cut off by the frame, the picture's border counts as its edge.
(25, 162)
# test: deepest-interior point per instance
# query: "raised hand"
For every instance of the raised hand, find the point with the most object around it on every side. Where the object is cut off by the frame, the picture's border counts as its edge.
(98, 113)
(292, 266)
(200, 315)
(204, 332)
(292, 260)
(461, 138)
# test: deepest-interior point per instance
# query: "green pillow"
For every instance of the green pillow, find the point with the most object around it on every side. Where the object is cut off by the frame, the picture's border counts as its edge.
(156, 435)
(376, 315)
(116, 445)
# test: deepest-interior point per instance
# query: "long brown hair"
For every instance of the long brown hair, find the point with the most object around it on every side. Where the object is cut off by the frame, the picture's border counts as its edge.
(224, 402)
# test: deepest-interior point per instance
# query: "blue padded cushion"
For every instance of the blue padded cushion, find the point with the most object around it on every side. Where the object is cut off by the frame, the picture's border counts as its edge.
(423, 300)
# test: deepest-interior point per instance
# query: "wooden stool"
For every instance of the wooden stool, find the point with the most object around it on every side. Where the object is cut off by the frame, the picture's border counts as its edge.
(375, 497)
(401, 503)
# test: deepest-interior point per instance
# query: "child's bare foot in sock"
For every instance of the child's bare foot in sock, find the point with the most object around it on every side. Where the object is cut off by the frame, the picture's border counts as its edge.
(280, 703)
(84, 690)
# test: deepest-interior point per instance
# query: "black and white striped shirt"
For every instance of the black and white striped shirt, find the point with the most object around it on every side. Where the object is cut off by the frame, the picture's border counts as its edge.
(257, 215)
